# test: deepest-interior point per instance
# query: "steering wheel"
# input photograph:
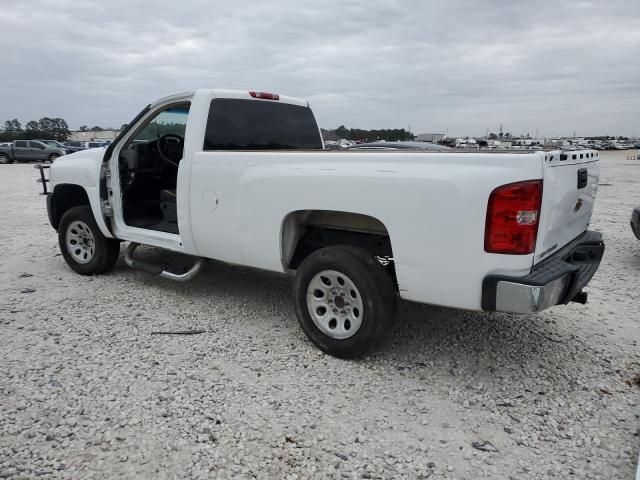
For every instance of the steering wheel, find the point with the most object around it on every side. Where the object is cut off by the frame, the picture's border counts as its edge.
(171, 148)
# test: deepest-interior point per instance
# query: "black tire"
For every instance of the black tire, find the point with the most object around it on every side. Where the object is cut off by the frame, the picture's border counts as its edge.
(52, 157)
(106, 250)
(4, 159)
(375, 286)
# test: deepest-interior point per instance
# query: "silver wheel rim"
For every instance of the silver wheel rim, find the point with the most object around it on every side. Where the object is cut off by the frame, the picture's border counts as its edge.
(80, 242)
(335, 304)
(4, 159)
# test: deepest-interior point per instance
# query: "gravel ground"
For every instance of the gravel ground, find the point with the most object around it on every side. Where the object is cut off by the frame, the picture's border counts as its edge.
(87, 392)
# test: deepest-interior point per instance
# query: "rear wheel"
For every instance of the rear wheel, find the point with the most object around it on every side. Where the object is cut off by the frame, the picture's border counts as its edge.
(4, 159)
(85, 249)
(345, 301)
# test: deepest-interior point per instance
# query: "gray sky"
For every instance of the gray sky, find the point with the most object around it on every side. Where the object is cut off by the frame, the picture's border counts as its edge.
(442, 65)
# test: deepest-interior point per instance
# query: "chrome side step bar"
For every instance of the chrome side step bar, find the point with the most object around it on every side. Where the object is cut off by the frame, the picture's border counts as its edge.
(157, 270)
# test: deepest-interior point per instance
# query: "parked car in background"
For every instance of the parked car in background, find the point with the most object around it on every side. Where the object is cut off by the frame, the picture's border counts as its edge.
(73, 147)
(97, 144)
(26, 150)
(51, 143)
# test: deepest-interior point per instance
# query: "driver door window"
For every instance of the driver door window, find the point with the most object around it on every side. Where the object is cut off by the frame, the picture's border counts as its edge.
(148, 169)
(159, 139)
(170, 120)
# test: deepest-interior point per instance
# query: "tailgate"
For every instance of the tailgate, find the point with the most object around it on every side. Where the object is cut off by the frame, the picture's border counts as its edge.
(569, 193)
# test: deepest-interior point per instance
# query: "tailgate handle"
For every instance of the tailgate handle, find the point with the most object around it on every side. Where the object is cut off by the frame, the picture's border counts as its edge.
(583, 178)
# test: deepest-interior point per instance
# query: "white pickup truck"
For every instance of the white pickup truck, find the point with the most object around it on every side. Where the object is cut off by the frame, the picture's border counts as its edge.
(241, 177)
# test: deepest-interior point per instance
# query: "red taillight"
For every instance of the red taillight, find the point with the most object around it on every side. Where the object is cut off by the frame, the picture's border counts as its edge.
(265, 95)
(513, 214)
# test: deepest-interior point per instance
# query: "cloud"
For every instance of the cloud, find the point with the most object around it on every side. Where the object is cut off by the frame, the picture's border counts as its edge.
(456, 66)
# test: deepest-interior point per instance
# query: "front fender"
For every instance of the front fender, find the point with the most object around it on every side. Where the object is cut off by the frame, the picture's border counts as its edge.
(82, 169)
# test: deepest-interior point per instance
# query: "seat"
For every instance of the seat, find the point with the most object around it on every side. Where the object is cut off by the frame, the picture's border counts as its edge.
(169, 208)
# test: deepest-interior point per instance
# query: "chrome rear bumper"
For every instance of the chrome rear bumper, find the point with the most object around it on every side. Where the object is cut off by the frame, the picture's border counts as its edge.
(519, 298)
(558, 280)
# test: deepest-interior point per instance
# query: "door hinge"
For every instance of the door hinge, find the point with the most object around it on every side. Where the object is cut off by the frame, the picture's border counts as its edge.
(107, 209)
(106, 171)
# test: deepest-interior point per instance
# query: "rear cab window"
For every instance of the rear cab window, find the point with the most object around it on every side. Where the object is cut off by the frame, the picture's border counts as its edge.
(236, 124)
(20, 144)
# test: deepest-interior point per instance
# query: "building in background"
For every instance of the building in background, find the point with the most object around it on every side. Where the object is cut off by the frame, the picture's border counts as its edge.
(94, 135)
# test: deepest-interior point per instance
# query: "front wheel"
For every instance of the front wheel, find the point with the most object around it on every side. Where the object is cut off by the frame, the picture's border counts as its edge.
(52, 157)
(85, 249)
(344, 300)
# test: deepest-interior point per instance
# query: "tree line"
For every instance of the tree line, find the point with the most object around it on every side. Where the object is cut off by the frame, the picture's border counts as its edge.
(45, 128)
(357, 134)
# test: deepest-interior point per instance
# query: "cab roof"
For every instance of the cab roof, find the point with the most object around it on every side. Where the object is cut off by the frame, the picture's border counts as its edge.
(237, 94)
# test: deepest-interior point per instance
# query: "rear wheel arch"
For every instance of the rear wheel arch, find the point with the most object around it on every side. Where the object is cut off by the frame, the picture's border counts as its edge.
(306, 231)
